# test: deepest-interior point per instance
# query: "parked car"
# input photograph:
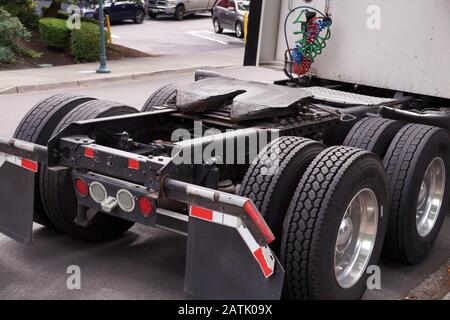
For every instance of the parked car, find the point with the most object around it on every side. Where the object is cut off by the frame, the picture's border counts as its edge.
(229, 14)
(178, 8)
(120, 10)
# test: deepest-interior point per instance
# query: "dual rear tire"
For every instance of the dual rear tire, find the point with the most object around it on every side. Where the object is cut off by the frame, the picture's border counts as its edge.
(37, 127)
(310, 199)
(416, 161)
(55, 201)
(335, 210)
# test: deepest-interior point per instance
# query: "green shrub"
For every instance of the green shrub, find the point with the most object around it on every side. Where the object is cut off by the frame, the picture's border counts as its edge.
(30, 53)
(24, 10)
(11, 30)
(86, 42)
(7, 55)
(54, 33)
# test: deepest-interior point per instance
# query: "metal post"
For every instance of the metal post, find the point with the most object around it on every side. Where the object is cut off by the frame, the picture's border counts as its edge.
(103, 68)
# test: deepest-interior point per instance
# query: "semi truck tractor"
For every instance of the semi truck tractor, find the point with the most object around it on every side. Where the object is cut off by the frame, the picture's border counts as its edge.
(289, 176)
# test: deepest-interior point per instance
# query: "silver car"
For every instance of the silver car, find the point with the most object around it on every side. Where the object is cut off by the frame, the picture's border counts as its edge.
(229, 14)
(178, 8)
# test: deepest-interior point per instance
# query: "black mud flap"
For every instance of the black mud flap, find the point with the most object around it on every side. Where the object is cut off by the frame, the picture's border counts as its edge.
(220, 266)
(16, 201)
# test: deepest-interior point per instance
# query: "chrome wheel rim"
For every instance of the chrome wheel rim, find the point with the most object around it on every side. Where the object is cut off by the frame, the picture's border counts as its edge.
(238, 30)
(216, 25)
(356, 238)
(431, 196)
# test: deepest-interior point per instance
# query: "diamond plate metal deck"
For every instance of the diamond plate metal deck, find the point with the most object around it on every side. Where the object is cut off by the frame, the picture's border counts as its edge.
(341, 97)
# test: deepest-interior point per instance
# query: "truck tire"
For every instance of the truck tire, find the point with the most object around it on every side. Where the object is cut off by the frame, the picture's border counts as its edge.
(294, 155)
(180, 11)
(161, 98)
(373, 134)
(417, 173)
(37, 127)
(319, 230)
(56, 187)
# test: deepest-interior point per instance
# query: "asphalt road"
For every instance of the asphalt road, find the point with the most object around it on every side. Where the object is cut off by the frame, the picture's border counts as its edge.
(146, 263)
(167, 36)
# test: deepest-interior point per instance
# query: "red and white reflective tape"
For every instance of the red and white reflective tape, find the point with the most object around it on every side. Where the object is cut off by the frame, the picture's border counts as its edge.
(89, 153)
(262, 254)
(133, 163)
(18, 161)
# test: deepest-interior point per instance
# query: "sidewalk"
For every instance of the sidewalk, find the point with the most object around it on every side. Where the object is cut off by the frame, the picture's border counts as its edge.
(83, 75)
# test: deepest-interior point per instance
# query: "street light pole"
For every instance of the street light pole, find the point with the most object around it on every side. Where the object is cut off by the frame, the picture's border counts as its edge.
(101, 17)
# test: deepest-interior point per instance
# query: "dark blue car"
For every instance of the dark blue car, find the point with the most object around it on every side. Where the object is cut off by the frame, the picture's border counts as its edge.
(120, 10)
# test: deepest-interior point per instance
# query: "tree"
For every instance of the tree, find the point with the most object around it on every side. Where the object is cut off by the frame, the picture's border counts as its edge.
(55, 6)
(53, 9)
(23, 9)
(11, 30)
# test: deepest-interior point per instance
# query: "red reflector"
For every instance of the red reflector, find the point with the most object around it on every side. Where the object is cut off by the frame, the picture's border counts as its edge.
(89, 153)
(145, 206)
(259, 255)
(133, 164)
(253, 213)
(30, 165)
(202, 213)
(82, 187)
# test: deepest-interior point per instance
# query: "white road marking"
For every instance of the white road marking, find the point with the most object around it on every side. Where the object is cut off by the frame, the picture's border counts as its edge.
(115, 36)
(199, 35)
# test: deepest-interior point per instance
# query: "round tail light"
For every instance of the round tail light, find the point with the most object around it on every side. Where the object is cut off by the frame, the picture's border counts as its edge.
(98, 192)
(82, 187)
(126, 200)
(145, 206)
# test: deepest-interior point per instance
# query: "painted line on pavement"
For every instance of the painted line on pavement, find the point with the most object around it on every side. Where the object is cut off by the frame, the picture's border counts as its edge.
(196, 34)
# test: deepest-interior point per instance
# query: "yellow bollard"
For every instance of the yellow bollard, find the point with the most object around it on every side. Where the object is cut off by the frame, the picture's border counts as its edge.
(108, 27)
(245, 26)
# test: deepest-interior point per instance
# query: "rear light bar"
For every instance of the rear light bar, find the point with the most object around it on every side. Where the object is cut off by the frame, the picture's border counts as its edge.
(112, 195)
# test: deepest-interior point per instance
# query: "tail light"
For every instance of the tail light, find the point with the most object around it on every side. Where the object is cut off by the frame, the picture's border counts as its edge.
(126, 200)
(146, 206)
(98, 192)
(82, 187)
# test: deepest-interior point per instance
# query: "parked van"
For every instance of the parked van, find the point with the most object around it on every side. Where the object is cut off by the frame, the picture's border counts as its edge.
(178, 8)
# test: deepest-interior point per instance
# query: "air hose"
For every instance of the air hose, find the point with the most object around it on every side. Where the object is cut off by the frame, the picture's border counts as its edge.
(312, 28)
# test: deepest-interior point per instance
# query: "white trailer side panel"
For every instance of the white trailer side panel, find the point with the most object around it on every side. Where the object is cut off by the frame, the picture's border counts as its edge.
(409, 52)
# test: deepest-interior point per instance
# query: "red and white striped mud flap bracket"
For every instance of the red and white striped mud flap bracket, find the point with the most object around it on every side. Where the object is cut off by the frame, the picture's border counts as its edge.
(262, 253)
(228, 254)
(17, 187)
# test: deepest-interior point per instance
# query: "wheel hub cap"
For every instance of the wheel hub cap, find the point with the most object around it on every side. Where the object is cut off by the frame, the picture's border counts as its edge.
(356, 238)
(345, 235)
(431, 196)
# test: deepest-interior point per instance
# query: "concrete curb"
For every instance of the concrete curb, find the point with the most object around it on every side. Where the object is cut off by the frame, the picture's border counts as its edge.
(99, 81)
